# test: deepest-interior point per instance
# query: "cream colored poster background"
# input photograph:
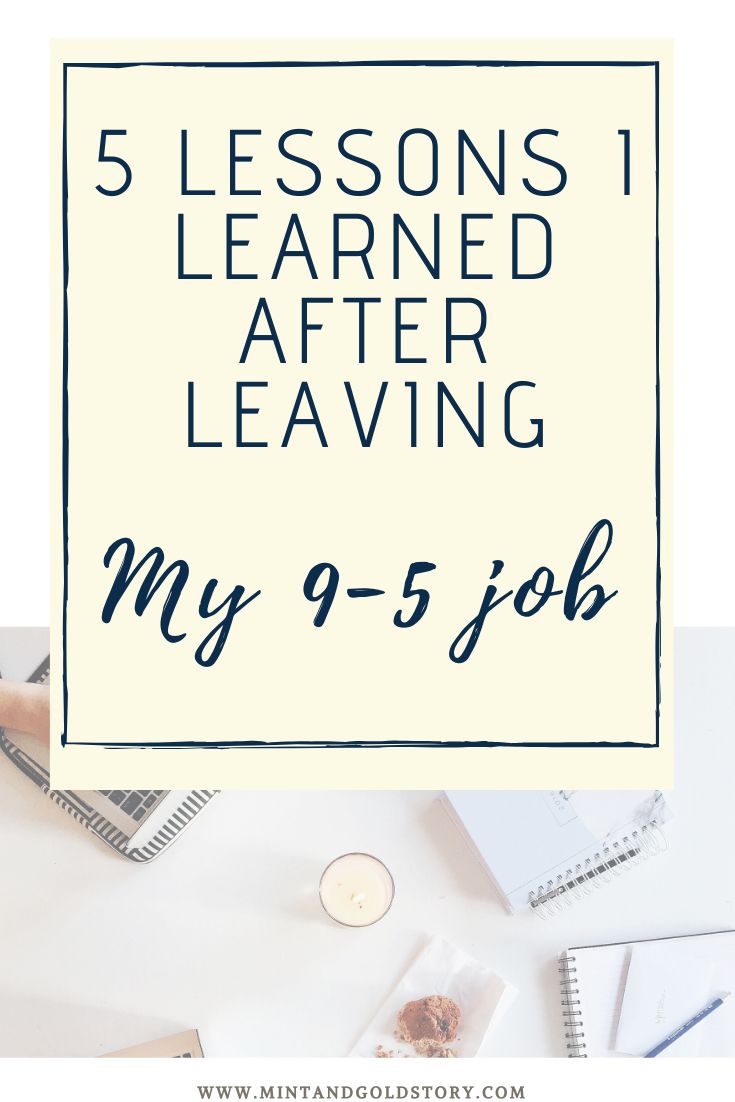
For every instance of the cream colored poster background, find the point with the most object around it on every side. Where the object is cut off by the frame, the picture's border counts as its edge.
(262, 517)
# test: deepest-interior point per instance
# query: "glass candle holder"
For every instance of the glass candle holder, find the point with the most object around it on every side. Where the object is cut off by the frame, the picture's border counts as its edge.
(356, 889)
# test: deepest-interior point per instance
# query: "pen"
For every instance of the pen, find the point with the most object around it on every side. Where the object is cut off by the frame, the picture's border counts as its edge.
(703, 1013)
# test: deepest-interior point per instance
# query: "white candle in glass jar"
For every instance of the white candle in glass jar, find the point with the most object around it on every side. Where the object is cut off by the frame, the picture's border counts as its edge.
(356, 889)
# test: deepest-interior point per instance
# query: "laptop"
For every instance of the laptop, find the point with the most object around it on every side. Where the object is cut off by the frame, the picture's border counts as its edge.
(138, 824)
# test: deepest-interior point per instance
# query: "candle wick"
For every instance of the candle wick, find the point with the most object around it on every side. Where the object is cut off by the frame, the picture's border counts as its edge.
(358, 897)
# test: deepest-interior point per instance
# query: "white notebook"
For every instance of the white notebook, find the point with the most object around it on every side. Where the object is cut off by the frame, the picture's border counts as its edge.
(545, 849)
(603, 1016)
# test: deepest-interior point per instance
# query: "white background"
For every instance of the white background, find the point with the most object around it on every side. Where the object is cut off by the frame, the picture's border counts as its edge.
(175, 1080)
(704, 237)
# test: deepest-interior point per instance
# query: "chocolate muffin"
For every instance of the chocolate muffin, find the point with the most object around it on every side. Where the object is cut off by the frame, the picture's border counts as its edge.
(428, 1022)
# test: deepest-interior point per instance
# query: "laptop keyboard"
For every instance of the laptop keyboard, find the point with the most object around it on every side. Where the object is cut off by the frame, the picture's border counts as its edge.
(136, 803)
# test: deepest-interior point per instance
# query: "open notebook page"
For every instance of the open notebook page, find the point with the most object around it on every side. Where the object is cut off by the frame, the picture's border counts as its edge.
(601, 973)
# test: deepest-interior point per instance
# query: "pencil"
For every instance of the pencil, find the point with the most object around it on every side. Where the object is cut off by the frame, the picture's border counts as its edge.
(699, 1017)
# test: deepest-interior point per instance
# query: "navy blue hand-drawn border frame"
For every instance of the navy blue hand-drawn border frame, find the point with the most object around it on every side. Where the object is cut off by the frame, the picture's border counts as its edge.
(378, 743)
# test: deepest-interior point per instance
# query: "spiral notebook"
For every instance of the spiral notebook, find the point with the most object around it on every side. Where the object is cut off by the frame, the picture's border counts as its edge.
(603, 1017)
(543, 850)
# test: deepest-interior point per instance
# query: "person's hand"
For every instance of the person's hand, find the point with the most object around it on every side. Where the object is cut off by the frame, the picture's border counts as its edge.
(25, 707)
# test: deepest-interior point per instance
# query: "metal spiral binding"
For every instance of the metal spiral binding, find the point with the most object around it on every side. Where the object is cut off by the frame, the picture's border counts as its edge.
(610, 861)
(571, 1012)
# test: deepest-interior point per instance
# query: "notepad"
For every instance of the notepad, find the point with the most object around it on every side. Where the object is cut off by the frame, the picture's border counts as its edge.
(600, 1015)
(543, 850)
(665, 987)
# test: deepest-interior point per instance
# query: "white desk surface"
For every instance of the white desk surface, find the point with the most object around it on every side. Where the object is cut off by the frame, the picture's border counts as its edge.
(225, 932)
